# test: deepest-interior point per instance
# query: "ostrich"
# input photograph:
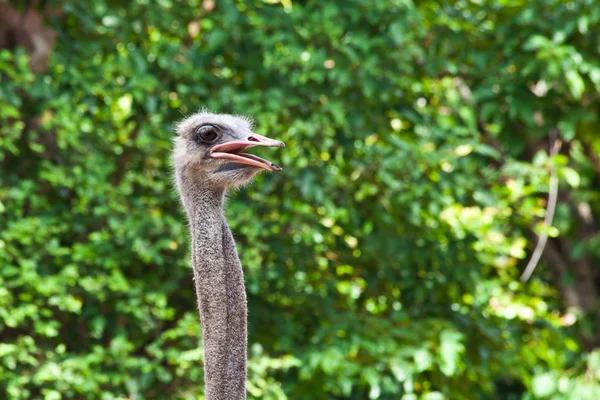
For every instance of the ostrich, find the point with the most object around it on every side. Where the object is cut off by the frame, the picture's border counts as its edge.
(208, 161)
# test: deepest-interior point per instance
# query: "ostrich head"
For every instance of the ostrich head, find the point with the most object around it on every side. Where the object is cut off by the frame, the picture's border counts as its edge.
(210, 148)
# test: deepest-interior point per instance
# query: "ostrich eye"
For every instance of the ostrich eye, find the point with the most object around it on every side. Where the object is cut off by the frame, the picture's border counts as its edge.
(207, 133)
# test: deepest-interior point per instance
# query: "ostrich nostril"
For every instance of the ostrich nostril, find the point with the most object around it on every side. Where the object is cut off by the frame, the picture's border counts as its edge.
(253, 139)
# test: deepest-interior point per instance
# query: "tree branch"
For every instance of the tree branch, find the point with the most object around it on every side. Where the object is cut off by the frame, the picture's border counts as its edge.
(551, 206)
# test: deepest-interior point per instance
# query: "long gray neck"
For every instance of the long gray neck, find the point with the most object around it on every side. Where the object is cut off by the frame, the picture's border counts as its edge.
(221, 294)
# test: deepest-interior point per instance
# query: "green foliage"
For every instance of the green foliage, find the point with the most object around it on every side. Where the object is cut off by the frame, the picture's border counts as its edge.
(383, 263)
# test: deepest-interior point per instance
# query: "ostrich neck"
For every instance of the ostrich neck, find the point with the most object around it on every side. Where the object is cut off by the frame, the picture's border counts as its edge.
(221, 295)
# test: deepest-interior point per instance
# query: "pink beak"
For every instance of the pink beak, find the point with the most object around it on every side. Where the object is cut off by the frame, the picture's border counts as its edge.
(233, 151)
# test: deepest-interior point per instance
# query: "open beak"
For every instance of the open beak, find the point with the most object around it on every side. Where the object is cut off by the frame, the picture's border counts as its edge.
(233, 151)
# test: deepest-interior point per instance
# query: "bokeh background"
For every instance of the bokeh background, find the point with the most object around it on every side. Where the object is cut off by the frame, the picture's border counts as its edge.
(426, 144)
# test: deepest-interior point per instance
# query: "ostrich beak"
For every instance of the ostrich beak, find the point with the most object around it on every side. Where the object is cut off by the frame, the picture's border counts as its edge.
(233, 151)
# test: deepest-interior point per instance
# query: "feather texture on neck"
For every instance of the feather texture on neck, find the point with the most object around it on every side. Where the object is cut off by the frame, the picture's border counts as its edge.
(221, 294)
